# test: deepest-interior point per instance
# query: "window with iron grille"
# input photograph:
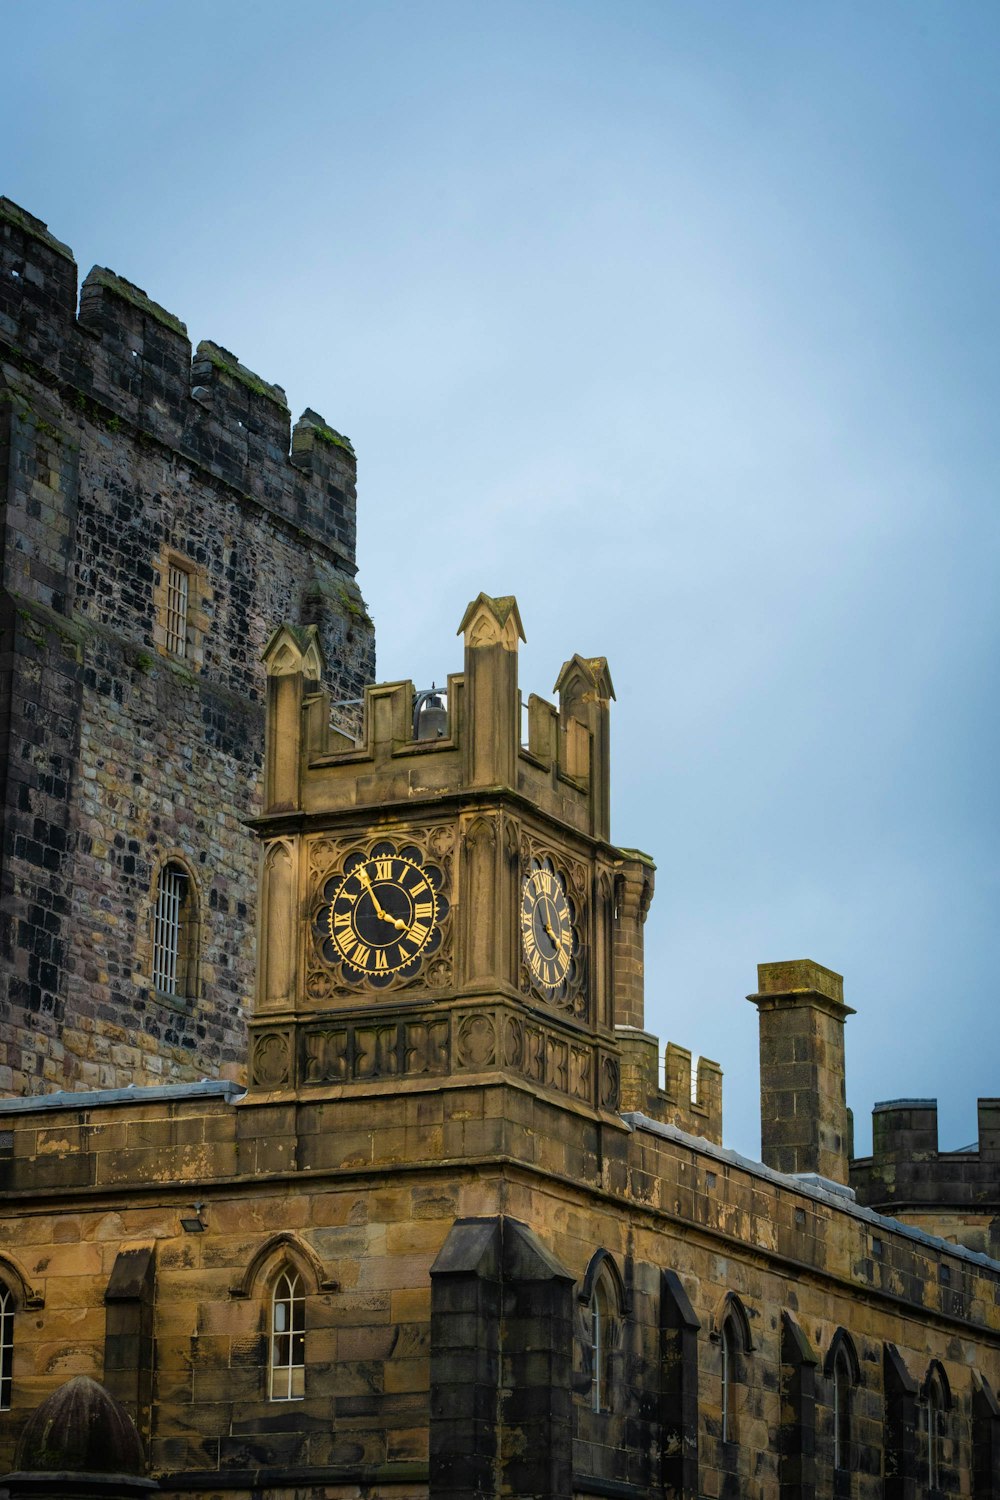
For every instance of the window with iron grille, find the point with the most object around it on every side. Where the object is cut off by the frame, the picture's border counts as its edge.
(6, 1345)
(178, 593)
(173, 931)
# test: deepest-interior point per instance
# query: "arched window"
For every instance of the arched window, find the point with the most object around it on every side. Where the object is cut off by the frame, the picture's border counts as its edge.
(288, 1338)
(6, 1345)
(730, 1345)
(841, 1410)
(934, 1409)
(937, 1404)
(175, 932)
(603, 1306)
(600, 1348)
(843, 1370)
(732, 1333)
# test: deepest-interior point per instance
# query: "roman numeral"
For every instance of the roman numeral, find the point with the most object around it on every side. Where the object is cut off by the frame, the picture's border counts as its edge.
(383, 869)
(381, 959)
(360, 956)
(423, 910)
(342, 920)
(421, 885)
(418, 933)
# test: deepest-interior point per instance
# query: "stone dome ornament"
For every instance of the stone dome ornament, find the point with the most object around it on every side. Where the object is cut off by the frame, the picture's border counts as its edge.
(79, 1442)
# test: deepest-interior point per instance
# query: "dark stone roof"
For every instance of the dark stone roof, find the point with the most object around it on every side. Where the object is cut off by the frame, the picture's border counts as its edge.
(80, 1428)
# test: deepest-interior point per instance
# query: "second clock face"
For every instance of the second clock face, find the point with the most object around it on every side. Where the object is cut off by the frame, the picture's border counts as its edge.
(547, 932)
(384, 914)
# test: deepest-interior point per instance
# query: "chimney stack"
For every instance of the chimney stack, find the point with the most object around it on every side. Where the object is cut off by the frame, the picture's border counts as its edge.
(805, 1125)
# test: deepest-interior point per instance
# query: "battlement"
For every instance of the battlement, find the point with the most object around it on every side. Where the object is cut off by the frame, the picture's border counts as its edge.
(563, 768)
(691, 1100)
(124, 358)
(907, 1172)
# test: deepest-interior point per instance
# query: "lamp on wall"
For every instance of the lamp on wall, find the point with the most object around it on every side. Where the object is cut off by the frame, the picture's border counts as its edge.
(196, 1225)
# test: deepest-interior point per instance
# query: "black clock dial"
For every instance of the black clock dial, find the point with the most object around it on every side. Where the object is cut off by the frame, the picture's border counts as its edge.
(547, 932)
(384, 914)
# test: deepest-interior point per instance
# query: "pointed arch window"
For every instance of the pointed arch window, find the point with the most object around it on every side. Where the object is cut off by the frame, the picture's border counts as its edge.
(841, 1411)
(288, 1338)
(605, 1305)
(175, 932)
(6, 1345)
(935, 1407)
(730, 1347)
(937, 1395)
(600, 1348)
(732, 1334)
(843, 1370)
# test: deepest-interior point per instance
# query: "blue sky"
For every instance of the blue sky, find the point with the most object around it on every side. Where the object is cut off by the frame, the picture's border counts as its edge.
(679, 321)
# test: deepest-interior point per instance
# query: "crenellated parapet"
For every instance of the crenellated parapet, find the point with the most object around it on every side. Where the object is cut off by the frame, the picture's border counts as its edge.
(529, 953)
(562, 769)
(123, 358)
(159, 514)
(675, 1095)
(952, 1193)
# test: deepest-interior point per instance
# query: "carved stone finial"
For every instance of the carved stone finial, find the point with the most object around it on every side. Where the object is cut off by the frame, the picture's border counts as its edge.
(492, 622)
(585, 679)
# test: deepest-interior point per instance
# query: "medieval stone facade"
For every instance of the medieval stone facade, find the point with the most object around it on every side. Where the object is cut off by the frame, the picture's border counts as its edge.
(457, 1238)
(955, 1194)
(158, 517)
(437, 1223)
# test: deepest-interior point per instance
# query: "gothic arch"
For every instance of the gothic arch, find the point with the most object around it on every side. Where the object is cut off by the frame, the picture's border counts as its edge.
(277, 1252)
(731, 1309)
(14, 1278)
(603, 1264)
(842, 1341)
(936, 1374)
(602, 1310)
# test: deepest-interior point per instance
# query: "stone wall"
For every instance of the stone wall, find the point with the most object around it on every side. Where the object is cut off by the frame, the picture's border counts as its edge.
(955, 1194)
(449, 1240)
(119, 455)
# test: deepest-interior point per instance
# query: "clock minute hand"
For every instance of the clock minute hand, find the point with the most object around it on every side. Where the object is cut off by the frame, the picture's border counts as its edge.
(380, 910)
(366, 882)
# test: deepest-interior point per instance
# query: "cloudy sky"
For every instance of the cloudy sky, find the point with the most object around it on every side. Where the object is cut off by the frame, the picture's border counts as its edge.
(680, 321)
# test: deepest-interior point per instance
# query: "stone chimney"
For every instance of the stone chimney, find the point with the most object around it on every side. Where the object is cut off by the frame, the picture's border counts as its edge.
(805, 1125)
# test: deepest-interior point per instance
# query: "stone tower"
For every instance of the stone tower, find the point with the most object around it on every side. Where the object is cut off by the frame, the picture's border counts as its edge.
(443, 906)
(158, 515)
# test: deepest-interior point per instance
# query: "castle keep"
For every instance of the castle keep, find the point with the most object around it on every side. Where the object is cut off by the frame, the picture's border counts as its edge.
(452, 1232)
(159, 515)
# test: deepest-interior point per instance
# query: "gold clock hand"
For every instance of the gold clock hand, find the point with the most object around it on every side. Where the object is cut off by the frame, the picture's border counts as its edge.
(366, 882)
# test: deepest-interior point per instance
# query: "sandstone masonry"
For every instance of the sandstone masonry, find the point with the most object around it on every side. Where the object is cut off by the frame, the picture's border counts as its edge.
(127, 468)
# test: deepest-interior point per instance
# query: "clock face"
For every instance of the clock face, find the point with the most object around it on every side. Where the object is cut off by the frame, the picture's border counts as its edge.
(548, 935)
(383, 914)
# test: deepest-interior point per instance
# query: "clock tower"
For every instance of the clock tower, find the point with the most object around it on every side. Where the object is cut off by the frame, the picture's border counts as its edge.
(438, 909)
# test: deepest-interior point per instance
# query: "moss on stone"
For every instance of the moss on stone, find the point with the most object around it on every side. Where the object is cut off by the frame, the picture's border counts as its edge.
(353, 605)
(134, 294)
(334, 438)
(10, 213)
(219, 359)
